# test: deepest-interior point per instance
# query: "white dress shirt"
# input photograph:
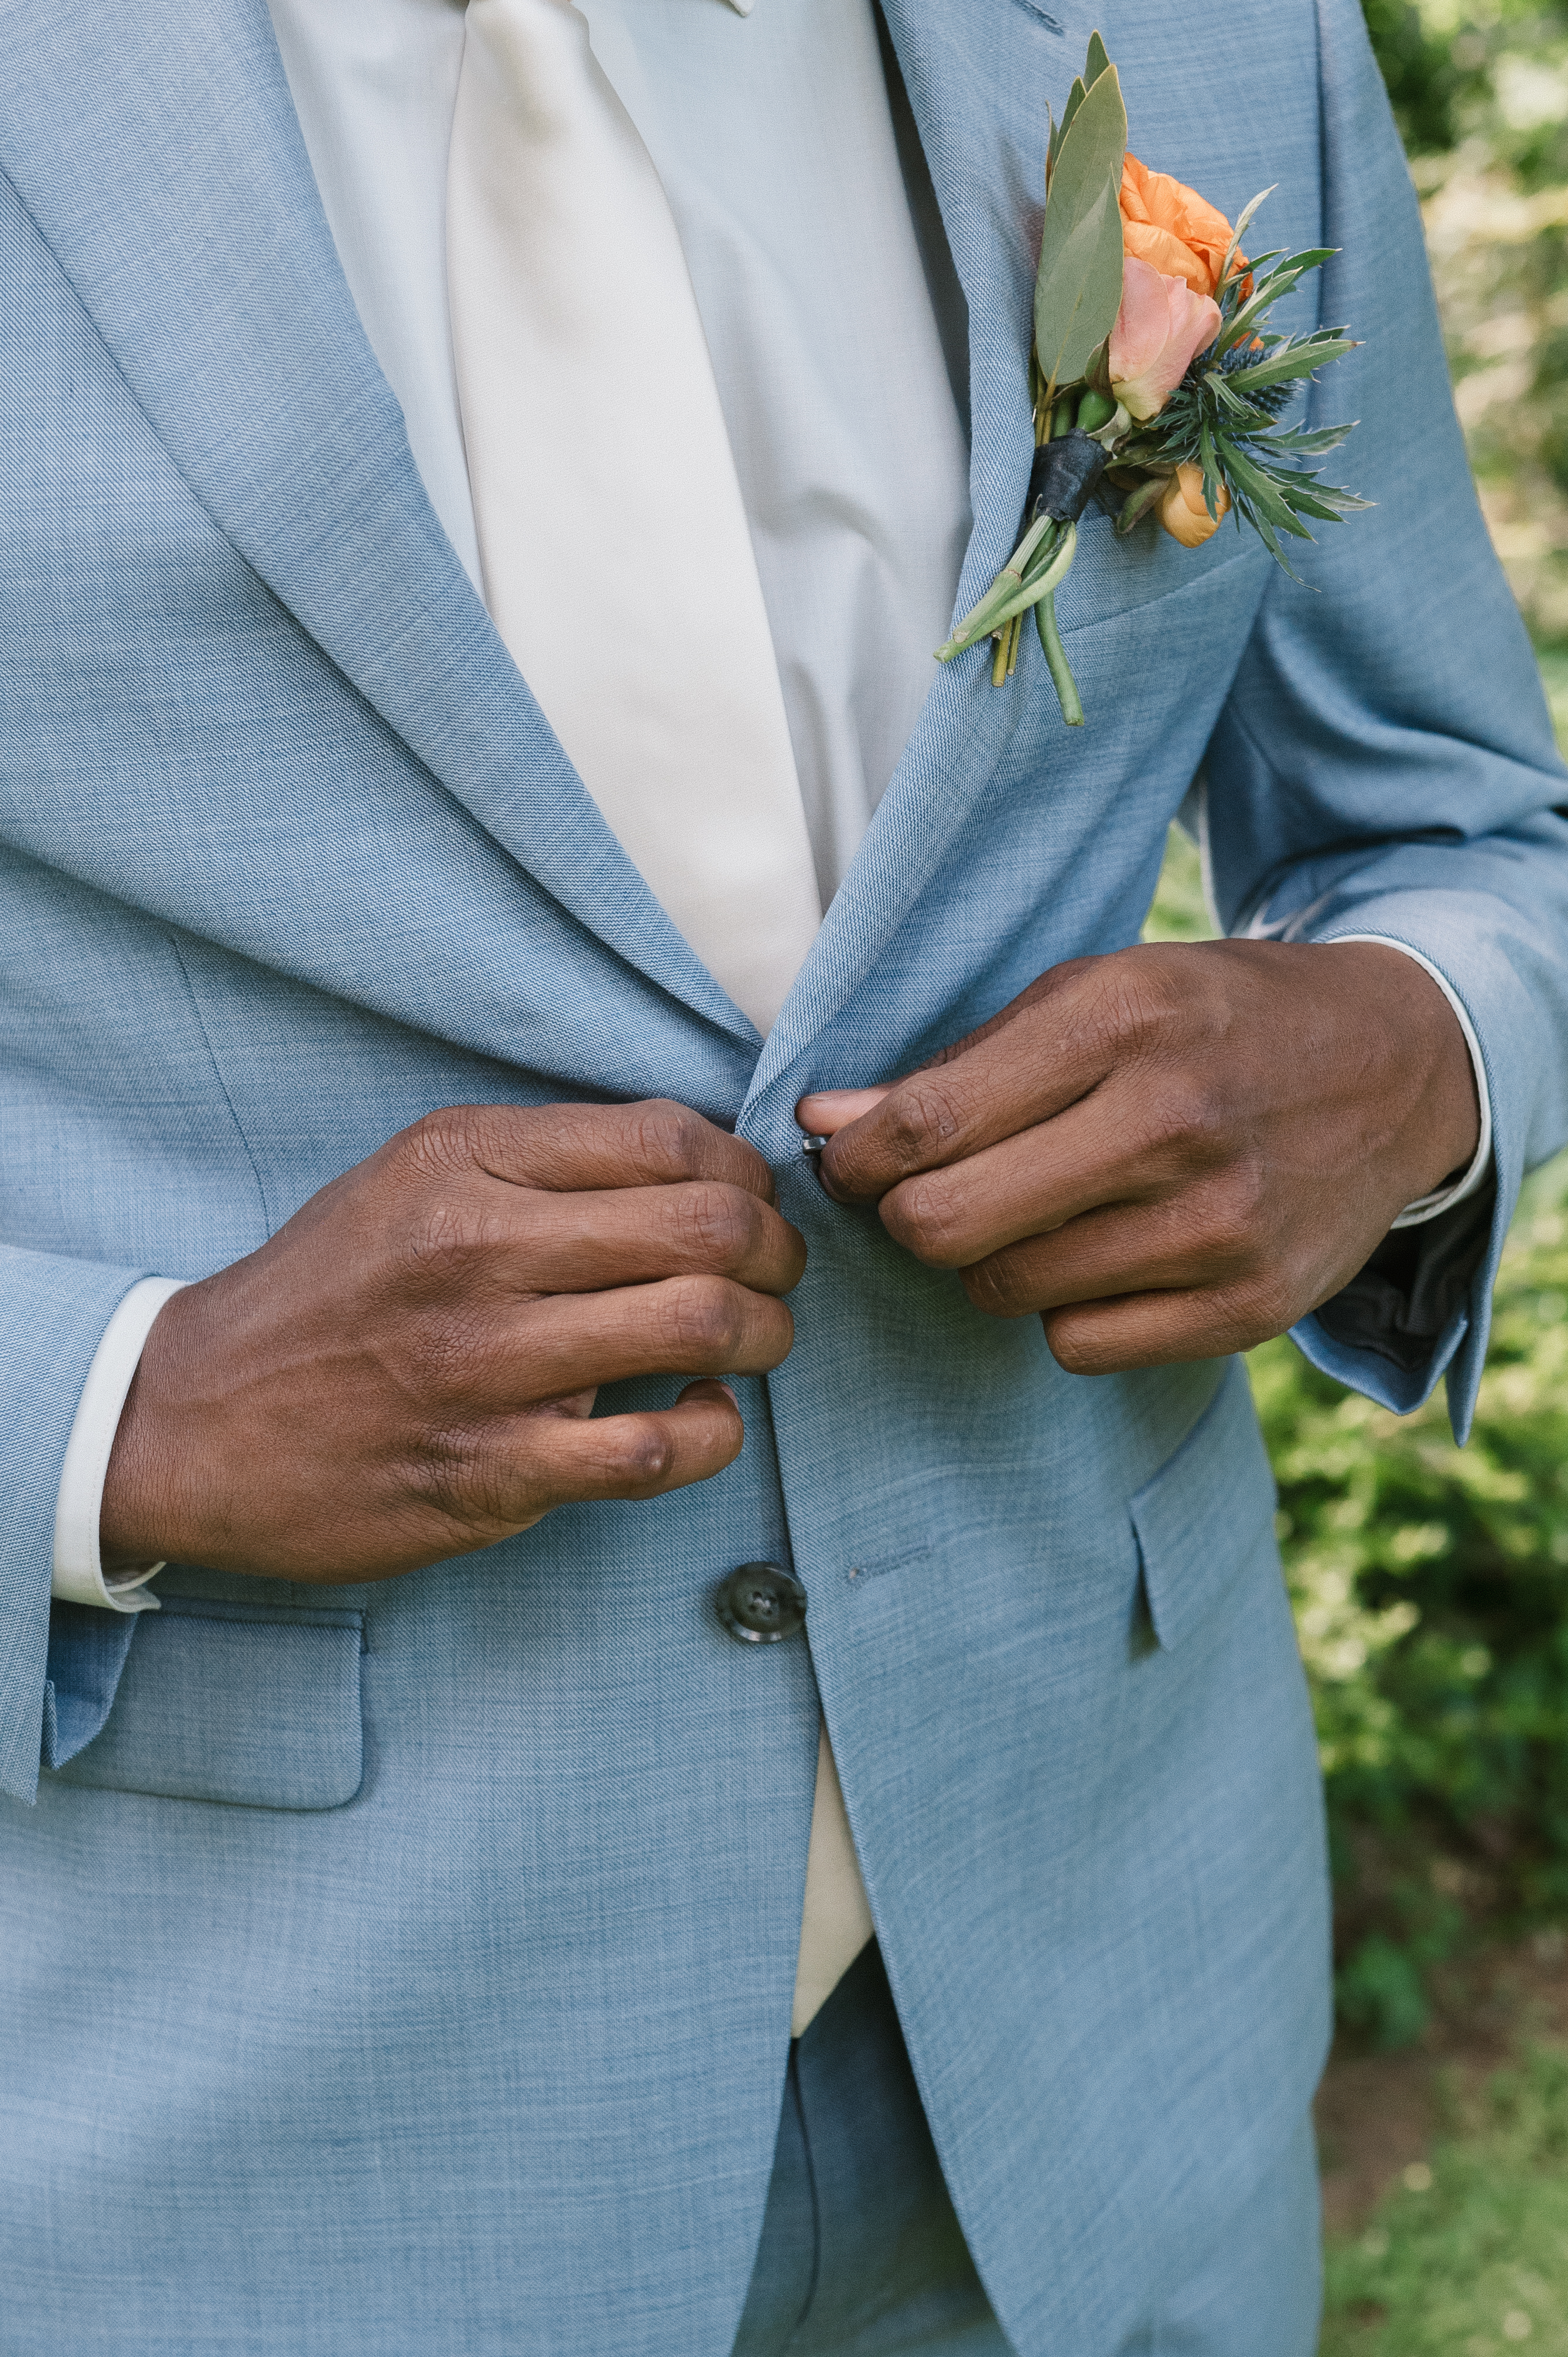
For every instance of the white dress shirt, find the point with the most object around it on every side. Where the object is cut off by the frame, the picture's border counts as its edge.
(832, 319)
(774, 138)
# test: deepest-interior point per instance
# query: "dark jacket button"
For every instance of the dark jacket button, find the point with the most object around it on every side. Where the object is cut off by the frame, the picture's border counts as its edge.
(761, 1603)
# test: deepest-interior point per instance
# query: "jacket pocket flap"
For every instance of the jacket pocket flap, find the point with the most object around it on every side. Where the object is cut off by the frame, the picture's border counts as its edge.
(216, 1703)
(1201, 1519)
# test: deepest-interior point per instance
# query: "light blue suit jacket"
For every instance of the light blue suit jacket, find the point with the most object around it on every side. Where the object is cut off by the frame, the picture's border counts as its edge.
(407, 1968)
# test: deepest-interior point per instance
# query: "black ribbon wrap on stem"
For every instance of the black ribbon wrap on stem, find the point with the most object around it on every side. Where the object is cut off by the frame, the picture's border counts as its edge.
(1064, 478)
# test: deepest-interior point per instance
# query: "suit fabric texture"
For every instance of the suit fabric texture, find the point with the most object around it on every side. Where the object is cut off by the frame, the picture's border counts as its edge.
(405, 1967)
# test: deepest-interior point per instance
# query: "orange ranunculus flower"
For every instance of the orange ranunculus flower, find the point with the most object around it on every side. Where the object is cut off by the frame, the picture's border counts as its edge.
(1184, 511)
(1172, 226)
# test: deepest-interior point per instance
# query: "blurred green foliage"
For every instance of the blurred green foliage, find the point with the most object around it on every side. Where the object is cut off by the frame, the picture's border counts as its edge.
(1426, 80)
(1431, 1592)
(1481, 91)
(1429, 1582)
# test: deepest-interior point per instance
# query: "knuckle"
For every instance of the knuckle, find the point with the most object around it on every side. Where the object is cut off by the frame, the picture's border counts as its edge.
(442, 1238)
(458, 1475)
(433, 1377)
(1231, 1227)
(705, 1318)
(1126, 1011)
(994, 1286)
(1188, 1123)
(1152, 1005)
(925, 1115)
(920, 1215)
(722, 1225)
(442, 1142)
(669, 1141)
(639, 1453)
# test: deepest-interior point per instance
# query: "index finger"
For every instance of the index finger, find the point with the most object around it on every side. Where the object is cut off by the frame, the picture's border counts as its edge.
(568, 1148)
(1041, 1056)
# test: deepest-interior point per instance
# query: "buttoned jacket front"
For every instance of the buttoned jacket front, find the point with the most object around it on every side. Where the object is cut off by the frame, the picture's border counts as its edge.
(408, 1968)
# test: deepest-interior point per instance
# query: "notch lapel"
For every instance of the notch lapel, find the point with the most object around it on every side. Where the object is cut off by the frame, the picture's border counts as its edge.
(979, 75)
(156, 144)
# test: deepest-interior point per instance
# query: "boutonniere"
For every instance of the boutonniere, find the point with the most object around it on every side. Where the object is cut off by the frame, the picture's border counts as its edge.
(1157, 388)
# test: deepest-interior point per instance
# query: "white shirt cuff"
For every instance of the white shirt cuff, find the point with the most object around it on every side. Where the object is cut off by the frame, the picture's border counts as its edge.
(78, 1566)
(1428, 1207)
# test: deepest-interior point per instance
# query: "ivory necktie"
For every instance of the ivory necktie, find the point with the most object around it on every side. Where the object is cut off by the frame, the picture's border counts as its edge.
(618, 569)
(617, 564)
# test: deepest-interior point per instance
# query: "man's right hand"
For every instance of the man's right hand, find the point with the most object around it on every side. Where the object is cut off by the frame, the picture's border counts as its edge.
(407, 1370)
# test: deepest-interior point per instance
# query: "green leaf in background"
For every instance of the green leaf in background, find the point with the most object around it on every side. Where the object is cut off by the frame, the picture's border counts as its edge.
(1078, 289)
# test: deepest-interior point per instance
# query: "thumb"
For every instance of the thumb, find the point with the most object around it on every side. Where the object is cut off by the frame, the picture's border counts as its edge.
(830, 1110)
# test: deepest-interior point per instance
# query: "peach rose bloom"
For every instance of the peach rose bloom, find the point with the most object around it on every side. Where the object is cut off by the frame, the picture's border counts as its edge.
(1161, 327)
(1172, 228)
(1184, 511)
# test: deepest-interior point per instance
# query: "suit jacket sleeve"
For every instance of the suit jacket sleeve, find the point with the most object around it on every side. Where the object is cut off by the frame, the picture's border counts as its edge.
(59, 1666)
(1385, 762)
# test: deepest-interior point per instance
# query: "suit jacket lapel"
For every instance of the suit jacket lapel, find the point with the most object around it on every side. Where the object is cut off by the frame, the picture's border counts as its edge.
(156, 147)
(979, 80)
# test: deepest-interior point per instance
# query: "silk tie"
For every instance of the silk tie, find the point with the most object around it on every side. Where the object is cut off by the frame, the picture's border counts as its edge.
(618, 569)
(617, 564)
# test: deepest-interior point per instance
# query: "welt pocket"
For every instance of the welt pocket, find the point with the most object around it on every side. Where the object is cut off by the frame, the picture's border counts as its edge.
(1140, 580)
(1206, 1517)
(255, 1705)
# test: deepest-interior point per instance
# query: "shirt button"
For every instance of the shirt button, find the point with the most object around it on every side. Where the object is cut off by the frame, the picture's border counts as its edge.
(761, 1603)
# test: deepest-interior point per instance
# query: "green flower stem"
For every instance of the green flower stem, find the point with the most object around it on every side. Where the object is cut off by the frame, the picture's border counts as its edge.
(1009, 595)
(1056, 657)
(994, 608)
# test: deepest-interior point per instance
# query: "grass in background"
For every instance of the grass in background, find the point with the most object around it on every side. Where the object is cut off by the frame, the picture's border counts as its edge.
(1468, 2257)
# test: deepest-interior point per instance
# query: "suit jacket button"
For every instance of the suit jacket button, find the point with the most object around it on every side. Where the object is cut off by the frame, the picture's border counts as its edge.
(761, 1603)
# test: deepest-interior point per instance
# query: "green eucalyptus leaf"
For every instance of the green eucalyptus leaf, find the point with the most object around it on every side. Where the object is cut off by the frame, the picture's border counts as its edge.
(1077, 298)
(1075, 99)
(1078, 290)
(1097, 61)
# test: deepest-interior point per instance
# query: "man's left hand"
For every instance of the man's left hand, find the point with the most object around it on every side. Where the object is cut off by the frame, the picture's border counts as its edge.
(1171, 1152)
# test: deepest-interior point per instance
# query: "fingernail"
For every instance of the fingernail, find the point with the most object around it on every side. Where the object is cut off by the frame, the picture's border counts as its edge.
(827, 1110)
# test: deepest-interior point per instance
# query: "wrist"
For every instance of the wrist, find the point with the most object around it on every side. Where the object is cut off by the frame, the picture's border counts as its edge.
(138, 1518)
(1430, 1051)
